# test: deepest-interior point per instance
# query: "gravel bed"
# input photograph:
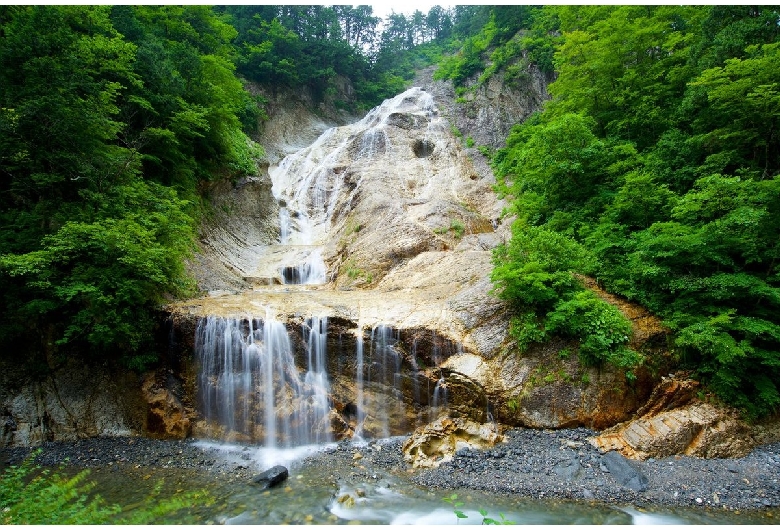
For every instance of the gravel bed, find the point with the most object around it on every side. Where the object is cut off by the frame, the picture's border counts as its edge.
(136, 453)
(561, 464)
(537, 464)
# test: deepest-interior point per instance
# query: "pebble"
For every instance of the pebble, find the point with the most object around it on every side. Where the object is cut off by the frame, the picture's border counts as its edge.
(531, 456)
(521, 467)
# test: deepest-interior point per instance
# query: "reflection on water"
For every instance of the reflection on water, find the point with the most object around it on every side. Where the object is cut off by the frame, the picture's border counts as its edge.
(316, 494)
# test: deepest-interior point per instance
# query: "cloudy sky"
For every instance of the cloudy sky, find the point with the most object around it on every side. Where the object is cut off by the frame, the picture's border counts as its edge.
(382, 9)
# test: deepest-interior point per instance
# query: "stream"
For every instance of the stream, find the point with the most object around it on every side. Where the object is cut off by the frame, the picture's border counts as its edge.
(321, 489)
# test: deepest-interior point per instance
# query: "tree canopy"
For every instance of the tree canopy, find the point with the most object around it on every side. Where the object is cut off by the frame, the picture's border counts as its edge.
(114, 119)
(110, 117)
(658, 156)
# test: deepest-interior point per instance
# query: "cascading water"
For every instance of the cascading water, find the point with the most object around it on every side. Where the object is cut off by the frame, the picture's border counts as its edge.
(311, 185)
(386, 367)
(379, 399)
(250, 389)
(439, 400)
(249, 384)
(360, 403)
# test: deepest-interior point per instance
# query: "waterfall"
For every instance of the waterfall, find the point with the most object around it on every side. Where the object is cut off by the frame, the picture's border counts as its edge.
(439, 401)
(249, 384)
(385, 369)
(311, 187)
(360, 403)
(250, 388)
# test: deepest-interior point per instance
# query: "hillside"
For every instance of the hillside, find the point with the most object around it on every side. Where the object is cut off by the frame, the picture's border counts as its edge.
(570, 181)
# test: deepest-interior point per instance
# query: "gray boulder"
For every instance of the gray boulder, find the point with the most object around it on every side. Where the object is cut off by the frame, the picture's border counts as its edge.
(271, 477)
(625, 474)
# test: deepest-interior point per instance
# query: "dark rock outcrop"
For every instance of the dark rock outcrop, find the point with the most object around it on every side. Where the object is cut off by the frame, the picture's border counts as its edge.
(271, 477)
(622, 470)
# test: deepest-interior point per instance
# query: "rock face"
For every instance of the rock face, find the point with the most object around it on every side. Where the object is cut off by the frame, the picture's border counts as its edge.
(72, 401)
(166, 417)
(488, 112)
(675, 422)
(437, 442)
(400, 219)
(243, 220)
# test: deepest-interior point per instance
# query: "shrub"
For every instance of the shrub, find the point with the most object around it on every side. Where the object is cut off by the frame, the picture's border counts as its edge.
(53, 498)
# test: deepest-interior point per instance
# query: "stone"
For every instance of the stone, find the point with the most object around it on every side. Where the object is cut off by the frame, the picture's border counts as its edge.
(665, 429)
(437, 442)
(166, 416)
(568, 469)
(271, 477)
(624, 473)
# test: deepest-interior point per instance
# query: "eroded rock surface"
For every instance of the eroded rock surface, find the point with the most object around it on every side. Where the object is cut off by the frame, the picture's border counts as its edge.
(675, 422)
(166, 416)
(404, 219)
(72, 401)
(437, 442)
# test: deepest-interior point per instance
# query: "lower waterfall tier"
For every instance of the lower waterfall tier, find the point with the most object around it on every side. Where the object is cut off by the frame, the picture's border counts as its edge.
(260, 382)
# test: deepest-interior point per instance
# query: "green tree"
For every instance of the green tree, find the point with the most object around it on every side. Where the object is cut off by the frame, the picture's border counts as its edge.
(559, 171)
(105, 139)
(626, 67)
(659, 153)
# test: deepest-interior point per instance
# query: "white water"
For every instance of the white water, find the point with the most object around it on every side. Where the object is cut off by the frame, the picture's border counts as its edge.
(251, 389)
(249, 384)
(311, 185)
(360, 402)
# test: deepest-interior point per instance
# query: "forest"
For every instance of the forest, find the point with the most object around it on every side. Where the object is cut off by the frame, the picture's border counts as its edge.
(653, 168)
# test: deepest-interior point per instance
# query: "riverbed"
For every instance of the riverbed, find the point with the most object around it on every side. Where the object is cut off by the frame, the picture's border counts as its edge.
(535, 477)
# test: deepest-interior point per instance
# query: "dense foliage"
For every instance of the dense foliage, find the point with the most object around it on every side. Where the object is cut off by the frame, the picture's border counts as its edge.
(314, 46)
(113, 119)
(654, 168)
(105, 138)
(656, 164)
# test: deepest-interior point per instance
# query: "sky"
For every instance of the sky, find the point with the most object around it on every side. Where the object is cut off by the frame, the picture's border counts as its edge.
(383, 9)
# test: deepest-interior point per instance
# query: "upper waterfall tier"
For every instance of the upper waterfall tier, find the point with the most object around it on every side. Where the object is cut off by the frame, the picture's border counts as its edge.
(385, 220)
(312, 185)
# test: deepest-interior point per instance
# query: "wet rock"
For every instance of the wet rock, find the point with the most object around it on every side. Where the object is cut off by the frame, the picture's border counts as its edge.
(622, 471)
(347, 500)
(166, 416)
(271, 477)
(406, 239)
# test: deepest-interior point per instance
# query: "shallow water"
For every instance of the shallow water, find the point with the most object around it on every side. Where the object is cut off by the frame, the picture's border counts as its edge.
(329, 495)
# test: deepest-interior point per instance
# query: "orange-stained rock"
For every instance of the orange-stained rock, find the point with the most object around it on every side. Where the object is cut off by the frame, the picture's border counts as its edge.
(166, 417)
(675, 422)
(437, 442)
